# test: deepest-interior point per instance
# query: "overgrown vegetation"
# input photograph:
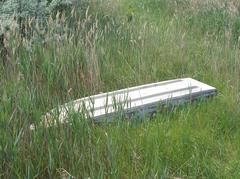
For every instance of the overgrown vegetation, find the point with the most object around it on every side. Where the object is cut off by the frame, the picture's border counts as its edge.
(111, 45)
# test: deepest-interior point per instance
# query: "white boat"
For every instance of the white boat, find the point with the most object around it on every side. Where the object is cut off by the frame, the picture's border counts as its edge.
(143, 100)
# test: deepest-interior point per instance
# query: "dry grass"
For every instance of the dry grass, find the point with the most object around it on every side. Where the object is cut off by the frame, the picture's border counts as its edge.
(71, 57)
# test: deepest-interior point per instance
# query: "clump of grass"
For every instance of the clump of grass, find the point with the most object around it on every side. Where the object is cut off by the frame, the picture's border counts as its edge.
(78, 54)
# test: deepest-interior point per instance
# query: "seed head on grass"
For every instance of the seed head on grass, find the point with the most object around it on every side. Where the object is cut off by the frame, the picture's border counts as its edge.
(64, 174)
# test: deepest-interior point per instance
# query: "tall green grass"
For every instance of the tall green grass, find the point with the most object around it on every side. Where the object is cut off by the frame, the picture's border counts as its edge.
(117, 44)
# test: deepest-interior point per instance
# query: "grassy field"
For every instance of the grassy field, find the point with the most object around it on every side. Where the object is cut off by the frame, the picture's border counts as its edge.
(111, 45)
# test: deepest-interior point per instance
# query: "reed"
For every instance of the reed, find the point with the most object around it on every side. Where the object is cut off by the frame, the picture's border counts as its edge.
(79, 53)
